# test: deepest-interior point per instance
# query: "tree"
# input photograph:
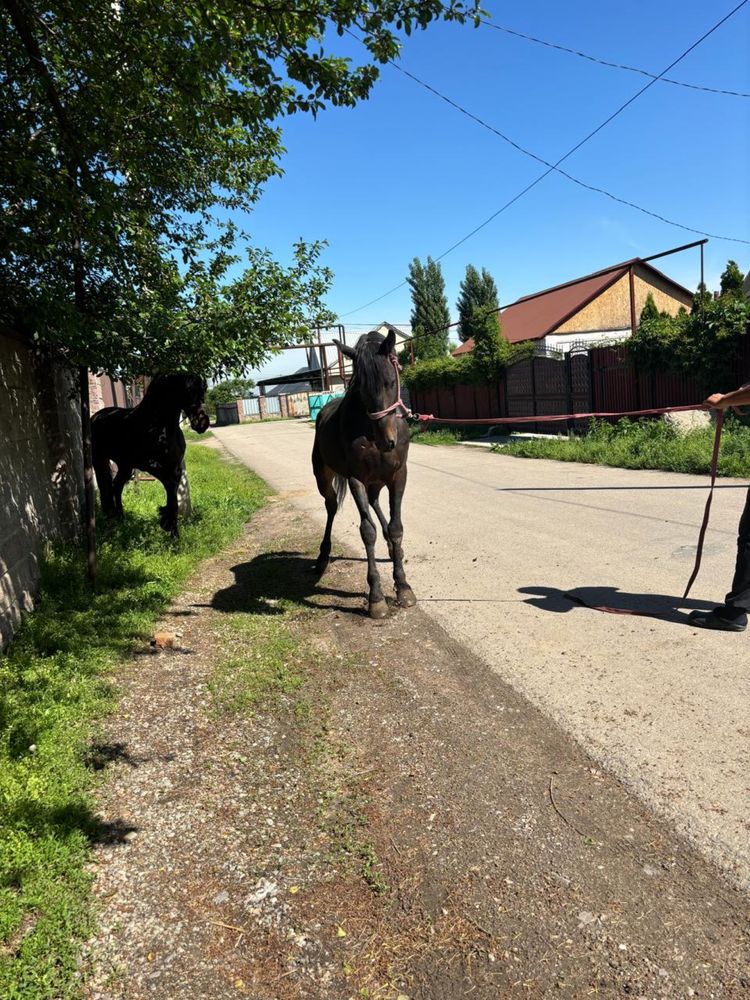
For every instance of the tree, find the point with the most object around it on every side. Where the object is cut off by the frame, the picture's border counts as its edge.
(229, 390)
(131, 133)
(491, 349)
(703, 343)
(430, 318)
(731, 279)
(476, 290)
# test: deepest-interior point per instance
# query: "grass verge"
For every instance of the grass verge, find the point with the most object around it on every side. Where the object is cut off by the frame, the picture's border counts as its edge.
(446, 435)
(271, 658)
(53, 688)
(646, 444)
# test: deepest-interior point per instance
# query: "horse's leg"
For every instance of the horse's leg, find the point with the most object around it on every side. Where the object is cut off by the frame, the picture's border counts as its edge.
(404, 593)
(325, 478)
(377, 606)
(123, 476)
(168, 513)
(374, 497)
(104, 482)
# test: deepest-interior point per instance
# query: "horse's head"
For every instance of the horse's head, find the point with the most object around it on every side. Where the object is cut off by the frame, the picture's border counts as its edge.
(375, 378)
(194, 395)
(186, 392)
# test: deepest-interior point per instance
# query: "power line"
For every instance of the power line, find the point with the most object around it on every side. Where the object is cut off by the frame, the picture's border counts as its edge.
(555, 166)
(606, 62)
(552, 166)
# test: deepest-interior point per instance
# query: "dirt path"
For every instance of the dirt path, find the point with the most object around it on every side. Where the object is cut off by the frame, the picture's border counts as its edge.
(493, 544)
(389, 820)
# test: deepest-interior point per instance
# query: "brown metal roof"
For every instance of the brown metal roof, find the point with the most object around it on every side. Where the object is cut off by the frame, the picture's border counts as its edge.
(534, 316)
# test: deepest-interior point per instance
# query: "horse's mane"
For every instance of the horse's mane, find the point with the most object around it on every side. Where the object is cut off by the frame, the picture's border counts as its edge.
(160, 383)
(367, 375)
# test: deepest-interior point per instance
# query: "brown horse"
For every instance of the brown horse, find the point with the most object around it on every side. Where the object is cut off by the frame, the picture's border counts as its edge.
(362, 439)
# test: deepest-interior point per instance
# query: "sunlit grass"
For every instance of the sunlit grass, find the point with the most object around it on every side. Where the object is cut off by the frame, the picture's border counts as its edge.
(646, 444)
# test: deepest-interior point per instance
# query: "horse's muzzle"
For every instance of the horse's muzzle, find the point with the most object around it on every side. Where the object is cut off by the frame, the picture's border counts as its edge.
(200, 421)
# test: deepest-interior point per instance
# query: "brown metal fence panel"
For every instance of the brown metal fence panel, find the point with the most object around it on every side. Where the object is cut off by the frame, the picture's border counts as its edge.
(466, 406)
(600, 379)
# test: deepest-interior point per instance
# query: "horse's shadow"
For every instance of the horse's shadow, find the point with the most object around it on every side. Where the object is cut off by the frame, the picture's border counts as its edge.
(271, 577)
(662, 606)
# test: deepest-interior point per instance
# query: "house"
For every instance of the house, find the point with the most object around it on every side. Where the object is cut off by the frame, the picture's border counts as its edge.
(600, 307)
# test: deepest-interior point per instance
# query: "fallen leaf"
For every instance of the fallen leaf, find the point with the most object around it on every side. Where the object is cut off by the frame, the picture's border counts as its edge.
(293, 889)
(340, 932)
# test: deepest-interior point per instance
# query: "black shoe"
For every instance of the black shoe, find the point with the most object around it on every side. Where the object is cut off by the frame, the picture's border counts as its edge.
(710, 619)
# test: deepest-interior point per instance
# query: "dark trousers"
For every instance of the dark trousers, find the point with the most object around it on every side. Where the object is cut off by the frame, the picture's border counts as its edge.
(737, 602)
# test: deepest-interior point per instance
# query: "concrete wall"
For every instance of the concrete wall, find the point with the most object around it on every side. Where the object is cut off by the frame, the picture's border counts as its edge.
(40, 471)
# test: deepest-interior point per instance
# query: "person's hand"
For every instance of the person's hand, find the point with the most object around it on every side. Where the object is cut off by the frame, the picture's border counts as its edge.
(714, 402)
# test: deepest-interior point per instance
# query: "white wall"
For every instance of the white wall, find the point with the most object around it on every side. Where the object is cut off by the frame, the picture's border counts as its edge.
(564, 341)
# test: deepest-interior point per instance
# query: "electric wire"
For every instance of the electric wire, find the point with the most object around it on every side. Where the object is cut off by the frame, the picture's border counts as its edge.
(605, 62)
(555, 166)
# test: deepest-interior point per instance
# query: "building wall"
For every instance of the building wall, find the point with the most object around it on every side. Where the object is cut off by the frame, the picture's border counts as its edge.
(564, 341)
(611, 309)
(41, 488)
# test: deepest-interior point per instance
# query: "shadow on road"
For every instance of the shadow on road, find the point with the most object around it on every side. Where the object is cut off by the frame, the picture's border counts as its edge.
(661, 606)
(282, 576)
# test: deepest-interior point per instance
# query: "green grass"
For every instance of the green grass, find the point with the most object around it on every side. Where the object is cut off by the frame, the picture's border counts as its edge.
(646, 444)
(446, 435)
(192, 437)
(261, 661)
(54, 686)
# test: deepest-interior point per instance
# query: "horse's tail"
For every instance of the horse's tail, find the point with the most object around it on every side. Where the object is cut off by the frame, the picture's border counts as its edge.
(339, 484)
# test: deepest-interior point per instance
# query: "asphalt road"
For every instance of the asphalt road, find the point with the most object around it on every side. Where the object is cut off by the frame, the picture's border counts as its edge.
(493, 543)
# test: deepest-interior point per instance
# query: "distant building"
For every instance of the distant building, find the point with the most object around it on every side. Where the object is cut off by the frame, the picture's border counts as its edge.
(600, 307)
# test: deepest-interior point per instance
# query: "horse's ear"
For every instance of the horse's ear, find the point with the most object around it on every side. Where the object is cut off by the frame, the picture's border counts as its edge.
(388, 344)
(347, 351)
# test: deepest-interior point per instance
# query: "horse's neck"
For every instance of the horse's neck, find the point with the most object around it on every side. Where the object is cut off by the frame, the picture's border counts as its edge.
(154, 408)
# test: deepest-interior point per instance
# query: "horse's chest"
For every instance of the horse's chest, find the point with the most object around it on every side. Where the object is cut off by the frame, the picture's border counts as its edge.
(373, 465)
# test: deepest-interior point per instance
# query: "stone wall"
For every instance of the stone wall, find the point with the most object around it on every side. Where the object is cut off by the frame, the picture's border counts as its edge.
(41, 489)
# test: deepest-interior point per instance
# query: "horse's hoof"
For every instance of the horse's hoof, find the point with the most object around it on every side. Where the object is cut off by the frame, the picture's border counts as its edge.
(405, 597)
(378, 609)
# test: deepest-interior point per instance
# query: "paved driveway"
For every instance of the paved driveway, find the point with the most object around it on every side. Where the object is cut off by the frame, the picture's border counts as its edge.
(494, 542)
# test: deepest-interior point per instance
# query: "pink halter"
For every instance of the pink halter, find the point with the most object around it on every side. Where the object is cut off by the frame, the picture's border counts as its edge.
(399, 404)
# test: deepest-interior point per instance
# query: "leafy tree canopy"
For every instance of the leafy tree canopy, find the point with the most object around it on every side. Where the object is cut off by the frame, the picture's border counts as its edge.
(703, 343)
(430, 318)
(476, 290)
(132, 131)
(491, 349)
(229, 390)
(731, 279)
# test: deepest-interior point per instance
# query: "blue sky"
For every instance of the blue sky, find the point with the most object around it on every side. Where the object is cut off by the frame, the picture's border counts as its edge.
(404, 175)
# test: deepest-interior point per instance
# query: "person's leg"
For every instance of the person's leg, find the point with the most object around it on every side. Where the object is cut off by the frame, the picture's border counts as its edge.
(731, 616)
(737, 602)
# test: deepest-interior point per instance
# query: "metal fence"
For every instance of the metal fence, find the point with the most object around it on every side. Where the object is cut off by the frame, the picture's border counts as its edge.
(600, 379)
(251, 407)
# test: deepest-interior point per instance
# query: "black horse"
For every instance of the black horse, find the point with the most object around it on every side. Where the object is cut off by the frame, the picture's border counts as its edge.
(362, 439)
(148, 437)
